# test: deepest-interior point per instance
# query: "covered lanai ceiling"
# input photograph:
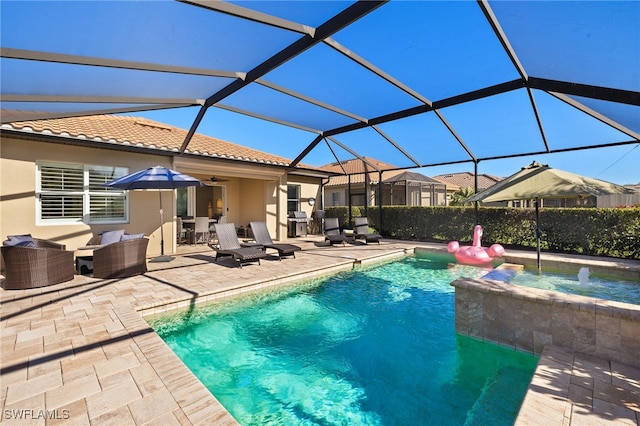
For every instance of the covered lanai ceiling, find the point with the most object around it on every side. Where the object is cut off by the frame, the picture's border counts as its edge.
(414, 83)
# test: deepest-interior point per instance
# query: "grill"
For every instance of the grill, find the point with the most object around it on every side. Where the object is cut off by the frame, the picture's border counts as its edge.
(298, 222)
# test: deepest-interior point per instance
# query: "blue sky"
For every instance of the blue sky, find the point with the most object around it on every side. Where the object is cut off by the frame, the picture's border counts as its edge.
(439, 49)
(442, 49)
(620, 164)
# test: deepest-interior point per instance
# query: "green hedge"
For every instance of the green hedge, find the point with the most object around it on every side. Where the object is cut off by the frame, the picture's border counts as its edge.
(611, 232)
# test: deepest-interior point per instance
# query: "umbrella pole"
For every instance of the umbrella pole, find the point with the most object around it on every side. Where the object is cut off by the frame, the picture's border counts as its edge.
(162, 257)
(161, 227)
(538, 232)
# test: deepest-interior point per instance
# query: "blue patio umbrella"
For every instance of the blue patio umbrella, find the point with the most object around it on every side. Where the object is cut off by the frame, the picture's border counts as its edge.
(159, 178)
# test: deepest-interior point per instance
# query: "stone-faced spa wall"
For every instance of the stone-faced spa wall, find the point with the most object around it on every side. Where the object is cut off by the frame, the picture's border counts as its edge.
(528, 319)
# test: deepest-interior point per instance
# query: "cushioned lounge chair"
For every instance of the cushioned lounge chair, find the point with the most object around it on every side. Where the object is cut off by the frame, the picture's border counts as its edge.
(43, 263)
(361, 231)
(332, 231)
(262, 237)
(228, 245)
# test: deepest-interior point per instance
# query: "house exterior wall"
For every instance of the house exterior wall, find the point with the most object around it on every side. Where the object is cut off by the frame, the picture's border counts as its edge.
(425, 195)
(334, 197)
(18, 159)
(252, 202)
(271, 208)
(357, 194)
(310, 188)
(260, 194)
(233, 201)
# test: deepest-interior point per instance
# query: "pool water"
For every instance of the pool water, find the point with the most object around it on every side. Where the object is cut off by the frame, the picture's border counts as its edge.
(370, 347)
(584, 285)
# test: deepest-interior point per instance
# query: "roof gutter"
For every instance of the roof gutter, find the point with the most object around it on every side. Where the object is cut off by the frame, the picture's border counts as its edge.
(140, 149)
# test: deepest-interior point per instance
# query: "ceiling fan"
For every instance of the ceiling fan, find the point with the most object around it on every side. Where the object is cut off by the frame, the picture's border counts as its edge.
(215, 179)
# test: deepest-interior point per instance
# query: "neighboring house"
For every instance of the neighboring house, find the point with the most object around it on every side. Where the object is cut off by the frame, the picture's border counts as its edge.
(621, 200)
(466, 180)
(360, 184)
(52, 173)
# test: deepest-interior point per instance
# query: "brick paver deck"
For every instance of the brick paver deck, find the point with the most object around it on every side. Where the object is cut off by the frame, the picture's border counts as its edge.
(81, 352)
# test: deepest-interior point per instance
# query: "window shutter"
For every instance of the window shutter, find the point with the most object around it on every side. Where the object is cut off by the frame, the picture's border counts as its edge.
(67, 178)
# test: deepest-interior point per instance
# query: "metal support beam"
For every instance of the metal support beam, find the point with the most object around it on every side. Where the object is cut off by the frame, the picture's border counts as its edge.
(475, 188)
(380, 200)
(307, 150)
(586, 91)
(352, 13)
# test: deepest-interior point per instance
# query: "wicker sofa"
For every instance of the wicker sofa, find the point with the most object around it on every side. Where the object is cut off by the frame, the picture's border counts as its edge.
(45, 263)
(119, 259)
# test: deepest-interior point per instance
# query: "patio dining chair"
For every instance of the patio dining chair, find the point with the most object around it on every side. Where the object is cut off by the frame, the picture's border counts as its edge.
(201, 230)
(262, 237)
(183, 235)
(229, 245)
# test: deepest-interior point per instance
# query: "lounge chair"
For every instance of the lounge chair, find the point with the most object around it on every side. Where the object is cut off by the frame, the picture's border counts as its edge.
(228, 245)
(332, 231)
(262, 237)
(361, 231)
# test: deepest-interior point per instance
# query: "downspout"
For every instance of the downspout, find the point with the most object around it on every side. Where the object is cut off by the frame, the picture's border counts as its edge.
(322, 185)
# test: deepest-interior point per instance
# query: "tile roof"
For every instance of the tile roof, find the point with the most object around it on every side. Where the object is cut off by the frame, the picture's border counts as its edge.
(465, 180)
(142, 132)
(358, 169)
(409, 176)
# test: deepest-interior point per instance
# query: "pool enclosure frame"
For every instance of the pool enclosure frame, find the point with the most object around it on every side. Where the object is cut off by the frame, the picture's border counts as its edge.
(611, 105)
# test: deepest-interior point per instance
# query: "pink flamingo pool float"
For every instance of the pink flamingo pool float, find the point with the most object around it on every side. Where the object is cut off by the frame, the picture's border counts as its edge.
(475, 254)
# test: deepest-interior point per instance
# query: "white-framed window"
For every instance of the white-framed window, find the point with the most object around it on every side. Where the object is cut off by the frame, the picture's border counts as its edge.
(336, 199)
(293, 198)
(68, 193)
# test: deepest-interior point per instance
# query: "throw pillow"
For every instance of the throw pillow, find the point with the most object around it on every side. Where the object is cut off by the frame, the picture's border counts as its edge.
(109, 237)
(126, 237)
(19, 241)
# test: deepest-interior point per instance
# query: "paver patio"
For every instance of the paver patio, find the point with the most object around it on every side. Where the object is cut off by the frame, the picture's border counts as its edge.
(81, 352)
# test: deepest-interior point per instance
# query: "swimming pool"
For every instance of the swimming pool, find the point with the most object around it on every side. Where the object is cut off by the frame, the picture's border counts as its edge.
(374, 346)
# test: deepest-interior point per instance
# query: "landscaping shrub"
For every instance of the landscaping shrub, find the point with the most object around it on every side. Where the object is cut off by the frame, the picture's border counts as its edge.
(613, 232)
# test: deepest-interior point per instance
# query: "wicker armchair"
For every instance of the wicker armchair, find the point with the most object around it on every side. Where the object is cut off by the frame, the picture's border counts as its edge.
(121, 259)
(45, 264)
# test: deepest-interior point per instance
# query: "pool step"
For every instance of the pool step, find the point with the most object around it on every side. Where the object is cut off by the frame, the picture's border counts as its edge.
(504, 272)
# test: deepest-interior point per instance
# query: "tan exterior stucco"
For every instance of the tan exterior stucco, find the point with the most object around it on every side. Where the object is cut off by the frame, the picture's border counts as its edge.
(253, 193)
(18, 183)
